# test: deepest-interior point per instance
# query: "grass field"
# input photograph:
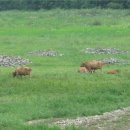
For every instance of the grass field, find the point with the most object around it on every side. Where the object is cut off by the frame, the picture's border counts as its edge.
(55, 89)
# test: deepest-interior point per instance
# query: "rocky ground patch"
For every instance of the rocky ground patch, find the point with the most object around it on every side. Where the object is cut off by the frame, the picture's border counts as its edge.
(104, 51)
(45, 53)
(12, 60)
(108, 51)
(115, 61)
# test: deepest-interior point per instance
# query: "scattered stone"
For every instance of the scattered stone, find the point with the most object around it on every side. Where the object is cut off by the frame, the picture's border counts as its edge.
(115, 61)
(12, 60)
(45, 53)
(104, 51)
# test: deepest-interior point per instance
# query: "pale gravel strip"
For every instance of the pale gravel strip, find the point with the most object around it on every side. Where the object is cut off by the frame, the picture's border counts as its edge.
(83, 121)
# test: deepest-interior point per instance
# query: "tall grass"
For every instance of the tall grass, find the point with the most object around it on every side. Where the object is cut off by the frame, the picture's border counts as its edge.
(55, 89)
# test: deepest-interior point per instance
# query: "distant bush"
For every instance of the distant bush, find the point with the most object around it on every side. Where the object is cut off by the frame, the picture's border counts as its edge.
(96, 23)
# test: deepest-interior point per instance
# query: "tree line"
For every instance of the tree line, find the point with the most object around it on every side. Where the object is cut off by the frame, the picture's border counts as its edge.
(64, 4)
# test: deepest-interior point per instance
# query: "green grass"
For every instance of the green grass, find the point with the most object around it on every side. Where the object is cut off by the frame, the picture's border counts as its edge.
(55, 89)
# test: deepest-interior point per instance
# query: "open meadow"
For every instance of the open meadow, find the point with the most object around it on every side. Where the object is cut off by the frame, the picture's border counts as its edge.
(56, 89)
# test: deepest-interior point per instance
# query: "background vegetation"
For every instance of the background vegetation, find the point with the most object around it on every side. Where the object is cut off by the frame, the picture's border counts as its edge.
(55, 89)
(65, 4)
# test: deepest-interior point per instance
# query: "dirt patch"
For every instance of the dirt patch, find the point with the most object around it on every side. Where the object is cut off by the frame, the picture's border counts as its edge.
(85, 121)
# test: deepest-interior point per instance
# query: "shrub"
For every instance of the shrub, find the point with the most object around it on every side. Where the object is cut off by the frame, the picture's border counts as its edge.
(96, 23)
